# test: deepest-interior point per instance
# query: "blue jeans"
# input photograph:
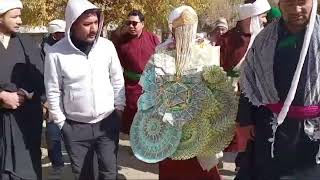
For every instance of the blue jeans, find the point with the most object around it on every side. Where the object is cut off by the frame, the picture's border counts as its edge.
(54, 145)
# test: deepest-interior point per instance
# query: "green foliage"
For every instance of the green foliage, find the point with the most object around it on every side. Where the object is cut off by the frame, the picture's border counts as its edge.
(40, 12)
(220, 8)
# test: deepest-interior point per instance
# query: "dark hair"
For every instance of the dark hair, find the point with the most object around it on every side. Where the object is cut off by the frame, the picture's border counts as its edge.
(137, 13)
(87, 13)
(249, 1)
(91, 11)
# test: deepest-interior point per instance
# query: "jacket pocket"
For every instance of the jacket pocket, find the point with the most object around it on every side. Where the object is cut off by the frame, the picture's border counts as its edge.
(78, 104)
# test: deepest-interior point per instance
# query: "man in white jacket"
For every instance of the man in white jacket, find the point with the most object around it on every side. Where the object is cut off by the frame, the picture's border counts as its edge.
(85, 91)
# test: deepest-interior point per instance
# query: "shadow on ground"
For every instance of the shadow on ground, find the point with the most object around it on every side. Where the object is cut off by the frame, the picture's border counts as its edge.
(229, 157)
(126, 159)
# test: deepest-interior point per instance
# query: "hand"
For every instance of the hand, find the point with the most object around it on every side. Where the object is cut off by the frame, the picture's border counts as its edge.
(22, 97)
(243, 135)
(45, 111)
(247, 131)
(119, 113)
(11, 100)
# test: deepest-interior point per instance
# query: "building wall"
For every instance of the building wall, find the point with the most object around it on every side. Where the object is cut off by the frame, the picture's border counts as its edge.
(37, 37)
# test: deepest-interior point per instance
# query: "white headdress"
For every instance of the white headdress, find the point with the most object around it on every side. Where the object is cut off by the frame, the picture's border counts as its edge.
(6, 5)
(221, 22)
(176, 14)
(56, 25)
(252, 10)
(184, 20)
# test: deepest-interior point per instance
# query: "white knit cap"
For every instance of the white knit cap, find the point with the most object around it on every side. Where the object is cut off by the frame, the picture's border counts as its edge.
(221, 22)
(6, 5)
(253, 9)
(56, 25)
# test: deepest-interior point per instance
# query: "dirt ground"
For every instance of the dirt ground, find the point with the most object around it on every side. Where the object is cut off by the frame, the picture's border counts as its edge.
(131, 168)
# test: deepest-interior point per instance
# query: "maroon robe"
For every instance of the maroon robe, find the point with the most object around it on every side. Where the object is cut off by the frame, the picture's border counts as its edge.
(234, 45)
(185, 170)
(134, 54)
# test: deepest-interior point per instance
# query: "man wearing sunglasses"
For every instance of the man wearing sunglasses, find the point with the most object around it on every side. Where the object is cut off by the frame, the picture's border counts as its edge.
(135, 49)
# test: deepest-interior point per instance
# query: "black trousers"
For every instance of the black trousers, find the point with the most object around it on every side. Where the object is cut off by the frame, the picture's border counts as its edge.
(82, 140)
(294, 154)
(9, 176)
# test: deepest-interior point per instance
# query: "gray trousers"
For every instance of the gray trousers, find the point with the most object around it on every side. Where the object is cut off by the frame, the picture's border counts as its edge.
(82, 140)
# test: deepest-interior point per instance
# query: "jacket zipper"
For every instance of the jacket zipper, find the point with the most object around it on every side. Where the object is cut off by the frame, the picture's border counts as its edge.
(93, 114)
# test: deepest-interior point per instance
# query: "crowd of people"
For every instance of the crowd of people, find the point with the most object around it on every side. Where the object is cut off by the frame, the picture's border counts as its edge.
(251, 89)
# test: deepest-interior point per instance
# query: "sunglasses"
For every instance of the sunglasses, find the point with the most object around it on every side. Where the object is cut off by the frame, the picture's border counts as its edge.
(134, 23)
